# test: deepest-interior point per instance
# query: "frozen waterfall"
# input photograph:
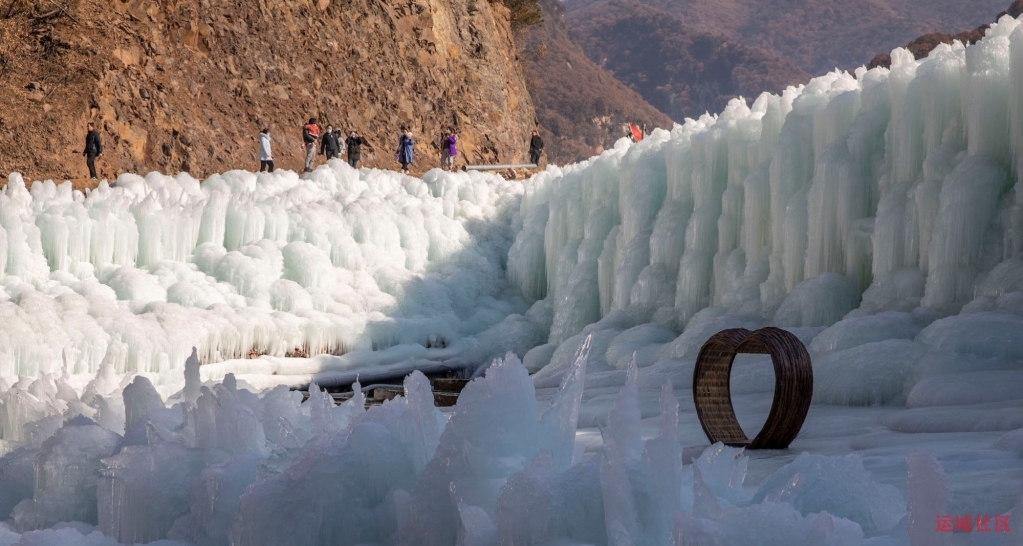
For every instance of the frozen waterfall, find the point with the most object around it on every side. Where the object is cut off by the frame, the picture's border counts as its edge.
(878, 216)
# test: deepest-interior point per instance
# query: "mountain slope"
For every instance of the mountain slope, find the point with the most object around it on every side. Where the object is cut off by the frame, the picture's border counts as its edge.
(187, 84)
(922, 46)
(580, 106)
(678, 69)
(820, 35)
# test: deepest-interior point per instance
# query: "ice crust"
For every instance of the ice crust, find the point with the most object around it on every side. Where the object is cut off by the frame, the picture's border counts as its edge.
(877, 216)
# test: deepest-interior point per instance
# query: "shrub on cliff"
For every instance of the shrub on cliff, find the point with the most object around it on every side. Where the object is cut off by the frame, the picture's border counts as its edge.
(524, 13)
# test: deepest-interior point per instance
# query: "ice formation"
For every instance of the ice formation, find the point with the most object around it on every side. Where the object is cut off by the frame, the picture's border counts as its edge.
(151, 329)
(140, 271)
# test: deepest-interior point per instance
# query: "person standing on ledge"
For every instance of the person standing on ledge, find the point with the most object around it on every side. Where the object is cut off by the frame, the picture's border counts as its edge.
(310, 134)
(535, 148)
(93, 149)
(329, 146)
(448, 149)
(406, 145)
(634, 133)
(339, 137)
(354, 143)
(266, 157)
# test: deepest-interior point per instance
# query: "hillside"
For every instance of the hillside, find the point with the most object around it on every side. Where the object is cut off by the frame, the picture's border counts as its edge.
(682, 71)
(581, 107)
(187, 84)
(922, 46)
(820, 35)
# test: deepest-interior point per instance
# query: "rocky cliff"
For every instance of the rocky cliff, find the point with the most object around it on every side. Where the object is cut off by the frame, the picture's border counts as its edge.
(187, 84)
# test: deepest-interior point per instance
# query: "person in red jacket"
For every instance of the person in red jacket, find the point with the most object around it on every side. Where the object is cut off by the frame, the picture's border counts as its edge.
(310, 134)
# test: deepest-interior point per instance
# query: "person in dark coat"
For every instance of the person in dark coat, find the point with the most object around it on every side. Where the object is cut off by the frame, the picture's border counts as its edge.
(535, 148)
(310, 134)
(354, 143)
(448, 149)
(329, 146)
(406, 145)
(93, 149)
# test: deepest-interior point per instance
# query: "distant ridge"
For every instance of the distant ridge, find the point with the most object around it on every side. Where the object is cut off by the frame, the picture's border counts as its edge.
(821, 35)
(581, 107)
(682, 71)
(922, 46)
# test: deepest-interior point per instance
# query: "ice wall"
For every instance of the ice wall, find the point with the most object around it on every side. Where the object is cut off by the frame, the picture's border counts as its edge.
(140, 270)
(901, 184)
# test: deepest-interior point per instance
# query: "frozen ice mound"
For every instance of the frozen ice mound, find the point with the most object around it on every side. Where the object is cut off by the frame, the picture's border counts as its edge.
(982, 334)
(645, 338)
(474, 458)
(820, 301)
(865, 375)
(698, 331)
(994, 416)
(538, 357)
(562, 359)
(851, 332)
(967, 388)
(354, 501)
(811, 484)
(66, 476)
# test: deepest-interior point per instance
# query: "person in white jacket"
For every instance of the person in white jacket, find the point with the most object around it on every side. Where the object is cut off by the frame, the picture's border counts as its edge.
(266, 157)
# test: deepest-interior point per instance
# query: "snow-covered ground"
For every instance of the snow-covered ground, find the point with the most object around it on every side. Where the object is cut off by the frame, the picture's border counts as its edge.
(878, 217)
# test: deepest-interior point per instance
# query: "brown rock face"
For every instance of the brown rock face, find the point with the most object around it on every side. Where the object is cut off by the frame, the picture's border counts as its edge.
(187, 84)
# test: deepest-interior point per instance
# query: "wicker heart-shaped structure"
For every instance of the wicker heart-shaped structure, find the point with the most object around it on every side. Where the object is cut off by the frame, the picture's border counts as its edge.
(793, 386)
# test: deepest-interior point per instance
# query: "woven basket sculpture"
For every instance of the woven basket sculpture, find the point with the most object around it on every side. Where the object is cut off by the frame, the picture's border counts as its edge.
(793, 386)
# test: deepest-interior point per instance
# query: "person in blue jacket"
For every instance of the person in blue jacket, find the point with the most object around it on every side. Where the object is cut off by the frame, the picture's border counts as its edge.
(406, 144)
